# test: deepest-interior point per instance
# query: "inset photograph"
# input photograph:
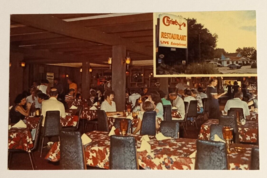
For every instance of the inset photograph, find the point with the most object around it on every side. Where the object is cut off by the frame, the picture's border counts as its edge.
(205, 43)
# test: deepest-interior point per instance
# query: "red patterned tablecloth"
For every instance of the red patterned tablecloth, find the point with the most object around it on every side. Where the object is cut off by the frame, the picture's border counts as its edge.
(167, 154)
(248, 133)
(88, 114)
(31, 122)
(20, 139)
(253, 116)
(69, 121)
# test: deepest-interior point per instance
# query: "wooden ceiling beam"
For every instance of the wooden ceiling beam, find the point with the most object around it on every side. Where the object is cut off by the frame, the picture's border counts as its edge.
(55, 25)
(66, 45)
(37, 36)
(24, 30)
(136, 34)
(114, 20)
(145, 25)
(48, 41)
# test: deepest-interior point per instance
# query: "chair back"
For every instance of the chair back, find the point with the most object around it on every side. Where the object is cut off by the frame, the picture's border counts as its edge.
(52, 124)
(170, 129)
(37, 134)
(122, 153)
(148, 126)
(192, 109)
(211, 155)
(205, 104)
(216, 129)
(230, 121)
(167, 112)
(118, 126)
(102, 121)
(71, 151)
(235, 110)
(186, 104)
(255, 163)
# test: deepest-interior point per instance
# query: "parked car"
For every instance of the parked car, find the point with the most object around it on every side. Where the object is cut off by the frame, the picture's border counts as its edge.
(216, 64)
(234, 66)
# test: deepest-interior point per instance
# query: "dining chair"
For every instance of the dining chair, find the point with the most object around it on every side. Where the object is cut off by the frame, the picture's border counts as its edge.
(167, 112)
(216, 129)
(231, 111)
(211, 155)
(35, 145)
(88, 121)
(71, 128)
(102, 121)
(230, 121)
(205, 111)
(170, 129)
(191, 111)
(118, 121)
(255, 163)
(71, 151)
(123, 153)
(148, 126)
(52, 127)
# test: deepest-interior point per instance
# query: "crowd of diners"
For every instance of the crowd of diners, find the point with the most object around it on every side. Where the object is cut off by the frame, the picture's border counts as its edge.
(48, 98)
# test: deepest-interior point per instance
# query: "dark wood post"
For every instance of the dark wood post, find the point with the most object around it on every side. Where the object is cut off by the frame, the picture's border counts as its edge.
(119, 76)
(86, 79)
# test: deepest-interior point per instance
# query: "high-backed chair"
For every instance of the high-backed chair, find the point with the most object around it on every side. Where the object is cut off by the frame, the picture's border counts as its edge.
(148, 126)
(211, 155)
(102, 121)
(71, 151)
(216, 129)
(191, 111)
(239, 110)
(52, 126)
(230, 121)
(167, 112)
(123, 153)
(71, 128)
(170, 129)
(255, 163)
(35, 144)
(118, 121)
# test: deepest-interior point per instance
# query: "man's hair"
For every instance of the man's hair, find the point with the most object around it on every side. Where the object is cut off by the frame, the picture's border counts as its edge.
(43, 96)
(173, 90)
(200, 89)
(194, 91)
(108, 93)
(238, 95)
(187, 92)
(53, 92)
(148, 106)
(162, 94)
(212, 80)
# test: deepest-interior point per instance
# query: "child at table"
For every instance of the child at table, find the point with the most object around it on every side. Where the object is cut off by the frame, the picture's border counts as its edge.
(147, 106)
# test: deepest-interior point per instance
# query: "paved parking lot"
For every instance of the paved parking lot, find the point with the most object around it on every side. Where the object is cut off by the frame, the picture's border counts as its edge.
(242, 70)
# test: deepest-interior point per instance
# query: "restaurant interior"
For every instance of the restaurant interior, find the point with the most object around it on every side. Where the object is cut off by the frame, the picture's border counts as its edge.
(111, 55)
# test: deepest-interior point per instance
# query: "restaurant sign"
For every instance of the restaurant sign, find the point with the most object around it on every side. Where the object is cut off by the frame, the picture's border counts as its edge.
(172, 31)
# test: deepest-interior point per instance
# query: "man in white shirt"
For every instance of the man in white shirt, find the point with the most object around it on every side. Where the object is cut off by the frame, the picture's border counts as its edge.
(133, 97)
(237, 102)
(33, 99)
(52, 104)
(109, 105)
(178, 102)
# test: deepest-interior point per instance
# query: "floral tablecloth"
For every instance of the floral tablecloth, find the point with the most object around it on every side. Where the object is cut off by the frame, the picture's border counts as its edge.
(31, 122)
(167, 154)
(69, 121)
(248, 133)
(20, 139)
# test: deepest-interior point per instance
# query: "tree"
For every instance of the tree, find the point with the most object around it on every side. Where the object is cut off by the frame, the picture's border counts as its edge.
(198, 36)
(218, 52)
(254, 55)
(246, 51)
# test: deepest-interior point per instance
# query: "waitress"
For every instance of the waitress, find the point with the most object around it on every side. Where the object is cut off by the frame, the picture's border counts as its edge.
(213, 103)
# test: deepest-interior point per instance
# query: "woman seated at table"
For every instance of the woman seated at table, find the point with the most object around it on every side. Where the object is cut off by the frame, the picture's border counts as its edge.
(18, 112)
(147, 106)
(156, 100)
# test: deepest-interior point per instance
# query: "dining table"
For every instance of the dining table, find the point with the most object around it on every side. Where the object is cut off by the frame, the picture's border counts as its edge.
(248, 133)
(169, 154)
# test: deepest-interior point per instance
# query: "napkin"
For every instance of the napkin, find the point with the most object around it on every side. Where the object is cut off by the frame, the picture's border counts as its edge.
(112, 131)
(95, 104)
(145, 138)
(145, 146)
(218, 139)
(130, 117)
(49, 144)
(93, 108)
(9, 127)
(20, 124)
(160, 136)
(174, 108)
(193, 155)
(73, 107)
(243, 121)
(85, 139)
